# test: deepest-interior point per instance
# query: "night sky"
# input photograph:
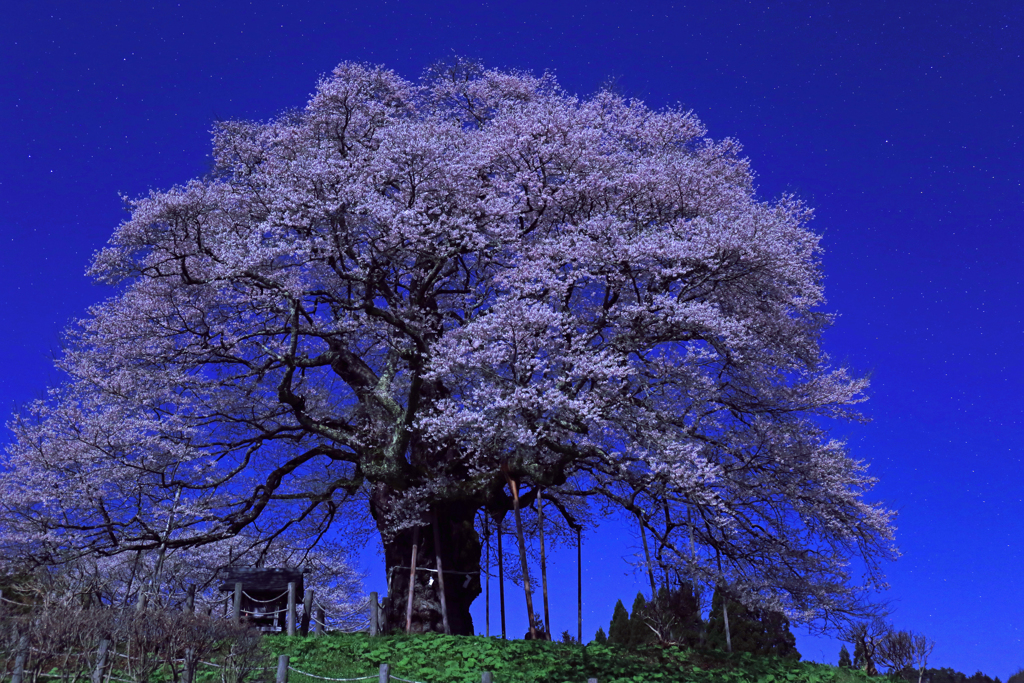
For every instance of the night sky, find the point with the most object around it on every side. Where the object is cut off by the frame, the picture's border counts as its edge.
(900, 123)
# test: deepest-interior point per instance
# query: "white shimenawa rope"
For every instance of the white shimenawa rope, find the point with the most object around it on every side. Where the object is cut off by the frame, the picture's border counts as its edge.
(325, 678)
(398, 678)
(264, 614)
(270, 600)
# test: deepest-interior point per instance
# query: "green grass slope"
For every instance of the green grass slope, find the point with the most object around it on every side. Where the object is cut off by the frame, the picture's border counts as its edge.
(435, 658)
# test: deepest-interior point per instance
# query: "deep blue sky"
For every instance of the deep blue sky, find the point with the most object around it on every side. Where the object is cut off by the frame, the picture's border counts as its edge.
(900, 122)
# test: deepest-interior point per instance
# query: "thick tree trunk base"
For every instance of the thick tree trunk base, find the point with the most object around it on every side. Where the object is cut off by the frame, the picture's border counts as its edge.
(460, 558)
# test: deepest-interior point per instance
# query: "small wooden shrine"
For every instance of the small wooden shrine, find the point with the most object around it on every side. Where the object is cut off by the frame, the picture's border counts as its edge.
(264, 593)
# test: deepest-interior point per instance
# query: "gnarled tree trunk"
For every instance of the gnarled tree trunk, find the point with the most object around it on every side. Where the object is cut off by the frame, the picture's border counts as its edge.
(460, 559)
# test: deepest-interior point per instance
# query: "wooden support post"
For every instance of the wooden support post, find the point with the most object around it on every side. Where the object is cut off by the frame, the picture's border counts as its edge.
(282, 669)
(591, 680)
(579, 584)
(236, 615)
(374, 614)
(514, 486)
(501, 581)
(307, 610)
(487, 573)
(412, 580)
(440, 573)
(101, 661)
(385, 673)
(320, 627)
(543, 564)
(647, 555)
(291, 608)
(19, 660)
(190, 600)
(486, 677)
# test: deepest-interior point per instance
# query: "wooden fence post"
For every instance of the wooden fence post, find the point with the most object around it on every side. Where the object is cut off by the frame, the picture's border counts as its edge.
(486, 677)
(282, 669)
(319, 628)
(101, 661)
(190, 600)
(291, 608)
(374, 615)
(307, 609)
(190, 666)
(237, 613)
(591, 680)
(385, 673)
(19, 659)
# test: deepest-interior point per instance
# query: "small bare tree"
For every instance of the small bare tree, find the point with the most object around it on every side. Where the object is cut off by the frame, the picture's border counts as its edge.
(191, 639)
(923, 647)
(246, 657)
(866, 637)
(895, 650)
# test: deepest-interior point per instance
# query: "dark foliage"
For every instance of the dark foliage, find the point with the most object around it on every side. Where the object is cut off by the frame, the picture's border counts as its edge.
(674, 617)
(619, 631)
(759, 632)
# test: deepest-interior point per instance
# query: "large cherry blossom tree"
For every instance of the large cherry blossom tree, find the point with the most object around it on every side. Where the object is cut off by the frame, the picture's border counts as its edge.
(398, 300)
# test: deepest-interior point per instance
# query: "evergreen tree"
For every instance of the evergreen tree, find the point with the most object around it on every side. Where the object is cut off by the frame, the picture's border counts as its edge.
(858, 655)
(618, 631)
(600, 637)
(676, 615)
(844, 657)
(760, 632)
(776, 638)
(639, 632)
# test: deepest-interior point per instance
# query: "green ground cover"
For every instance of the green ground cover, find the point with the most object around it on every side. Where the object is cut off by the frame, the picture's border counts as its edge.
(435, 658)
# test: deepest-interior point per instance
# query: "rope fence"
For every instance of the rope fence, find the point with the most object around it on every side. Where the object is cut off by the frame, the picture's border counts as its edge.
(384, 675)
(104, 672)
(326, 678)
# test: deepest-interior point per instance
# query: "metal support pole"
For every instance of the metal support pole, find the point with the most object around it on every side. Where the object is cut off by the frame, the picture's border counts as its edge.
(385, 673)
(374, 614)
(307, 610)
(291, 608)
(282, 669)
(236, 615)
(486, 677)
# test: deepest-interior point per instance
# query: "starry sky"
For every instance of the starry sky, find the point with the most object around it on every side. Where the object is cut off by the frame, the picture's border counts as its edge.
(899, 122)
